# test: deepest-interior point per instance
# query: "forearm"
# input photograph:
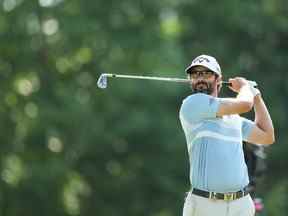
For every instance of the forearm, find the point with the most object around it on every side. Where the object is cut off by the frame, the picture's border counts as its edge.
(262, 117)
(241, 104)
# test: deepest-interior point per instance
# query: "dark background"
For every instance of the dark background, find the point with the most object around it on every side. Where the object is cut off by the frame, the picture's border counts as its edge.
(69, 148)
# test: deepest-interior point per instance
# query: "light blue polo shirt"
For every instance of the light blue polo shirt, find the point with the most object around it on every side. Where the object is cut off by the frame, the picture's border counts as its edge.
(214, 145)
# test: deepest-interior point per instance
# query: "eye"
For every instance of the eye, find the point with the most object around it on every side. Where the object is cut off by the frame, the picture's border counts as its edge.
(209, 73)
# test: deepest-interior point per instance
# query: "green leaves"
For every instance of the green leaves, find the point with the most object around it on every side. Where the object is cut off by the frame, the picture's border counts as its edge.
(69, 148)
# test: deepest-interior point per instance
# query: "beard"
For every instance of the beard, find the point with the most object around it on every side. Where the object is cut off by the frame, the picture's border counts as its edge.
(202, 87)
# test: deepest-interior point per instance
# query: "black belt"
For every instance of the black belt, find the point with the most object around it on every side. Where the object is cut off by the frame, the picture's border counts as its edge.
(221, 196)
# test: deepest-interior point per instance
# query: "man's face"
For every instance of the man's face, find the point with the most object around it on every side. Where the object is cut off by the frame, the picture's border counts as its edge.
(203, 80)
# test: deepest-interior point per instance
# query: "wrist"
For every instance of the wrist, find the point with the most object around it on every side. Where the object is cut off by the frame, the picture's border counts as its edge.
(257, 97)
(256, 92)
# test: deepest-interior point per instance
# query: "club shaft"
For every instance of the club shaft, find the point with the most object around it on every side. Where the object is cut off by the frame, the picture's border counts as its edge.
(169, 79)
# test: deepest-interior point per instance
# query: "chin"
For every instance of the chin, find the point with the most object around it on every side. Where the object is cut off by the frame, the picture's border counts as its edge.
(202, 90)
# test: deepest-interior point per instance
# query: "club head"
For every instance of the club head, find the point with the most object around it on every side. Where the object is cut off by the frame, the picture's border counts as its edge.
(102, 81)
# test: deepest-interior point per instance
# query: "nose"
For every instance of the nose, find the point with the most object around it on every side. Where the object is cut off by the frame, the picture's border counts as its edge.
(200, 78)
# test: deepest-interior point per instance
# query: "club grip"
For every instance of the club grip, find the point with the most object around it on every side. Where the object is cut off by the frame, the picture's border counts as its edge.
(251, 83)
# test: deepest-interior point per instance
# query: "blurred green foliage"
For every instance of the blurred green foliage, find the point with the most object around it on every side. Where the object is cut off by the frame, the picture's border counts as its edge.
(68, 148)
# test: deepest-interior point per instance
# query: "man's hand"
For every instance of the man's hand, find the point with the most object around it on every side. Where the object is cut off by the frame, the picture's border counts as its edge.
(237, 83)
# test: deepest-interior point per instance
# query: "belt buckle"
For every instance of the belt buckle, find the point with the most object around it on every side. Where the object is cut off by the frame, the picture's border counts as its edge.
(229, 196)
(212, 195)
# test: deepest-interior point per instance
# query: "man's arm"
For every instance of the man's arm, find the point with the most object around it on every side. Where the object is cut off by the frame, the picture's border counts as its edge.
(242, 103)
(263, 131)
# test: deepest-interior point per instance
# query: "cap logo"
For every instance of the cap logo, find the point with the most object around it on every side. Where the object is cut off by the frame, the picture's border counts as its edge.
(201, 59)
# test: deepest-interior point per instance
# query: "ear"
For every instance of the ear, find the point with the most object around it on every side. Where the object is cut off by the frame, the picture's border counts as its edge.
(219, 80)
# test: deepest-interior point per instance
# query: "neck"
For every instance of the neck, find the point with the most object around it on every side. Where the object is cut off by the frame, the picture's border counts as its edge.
(215, 92)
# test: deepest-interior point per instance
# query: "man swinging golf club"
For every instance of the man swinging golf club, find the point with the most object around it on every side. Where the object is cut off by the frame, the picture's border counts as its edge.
(214, 133)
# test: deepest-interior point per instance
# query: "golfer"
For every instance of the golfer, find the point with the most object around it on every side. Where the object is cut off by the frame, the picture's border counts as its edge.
(214, 133)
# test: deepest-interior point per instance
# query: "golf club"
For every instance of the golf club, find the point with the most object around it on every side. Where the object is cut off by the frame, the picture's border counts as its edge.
(103, 79)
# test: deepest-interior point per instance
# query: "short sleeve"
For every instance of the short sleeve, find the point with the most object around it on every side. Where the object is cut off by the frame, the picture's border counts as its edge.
(246, 127)
(198, 107)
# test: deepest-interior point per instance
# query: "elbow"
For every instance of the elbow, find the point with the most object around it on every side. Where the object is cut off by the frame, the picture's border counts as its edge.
(272, 136)
(270, 139)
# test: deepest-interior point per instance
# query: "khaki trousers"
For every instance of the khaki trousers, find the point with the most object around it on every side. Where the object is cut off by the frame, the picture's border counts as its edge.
(200, 206)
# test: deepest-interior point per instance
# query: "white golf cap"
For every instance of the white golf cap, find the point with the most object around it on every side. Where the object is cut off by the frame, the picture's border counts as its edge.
(206, 61)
